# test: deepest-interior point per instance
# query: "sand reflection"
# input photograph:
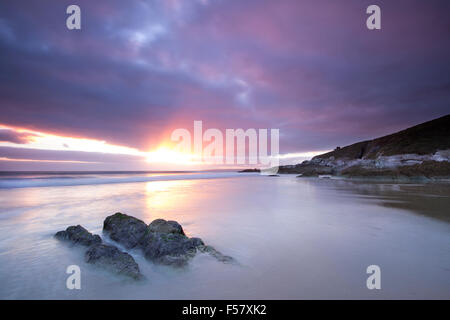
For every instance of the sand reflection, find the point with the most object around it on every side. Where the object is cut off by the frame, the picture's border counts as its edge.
(164, 198)
(428, 199)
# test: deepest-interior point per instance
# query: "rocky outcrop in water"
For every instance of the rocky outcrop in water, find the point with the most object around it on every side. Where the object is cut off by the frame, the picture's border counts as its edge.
(111, 258)
(78, 235)
(169, 248)
(249, 170)
(216, 254)
(124, 229)
(105, 256)
(163, 226)
(162, 242)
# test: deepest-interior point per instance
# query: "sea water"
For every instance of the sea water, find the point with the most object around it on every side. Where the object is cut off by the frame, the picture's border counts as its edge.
(293, 238)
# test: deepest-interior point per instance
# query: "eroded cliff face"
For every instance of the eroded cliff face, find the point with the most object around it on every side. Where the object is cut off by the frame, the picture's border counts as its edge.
(420, 151)
(409, 165)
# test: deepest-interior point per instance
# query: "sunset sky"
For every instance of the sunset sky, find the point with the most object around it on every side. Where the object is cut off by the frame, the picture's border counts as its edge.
(108, 96)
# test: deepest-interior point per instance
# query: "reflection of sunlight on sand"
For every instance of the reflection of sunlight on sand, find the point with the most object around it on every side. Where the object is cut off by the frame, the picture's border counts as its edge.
(164, 198)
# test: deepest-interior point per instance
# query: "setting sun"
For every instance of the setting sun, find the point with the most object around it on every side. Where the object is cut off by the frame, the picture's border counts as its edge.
(167, 155)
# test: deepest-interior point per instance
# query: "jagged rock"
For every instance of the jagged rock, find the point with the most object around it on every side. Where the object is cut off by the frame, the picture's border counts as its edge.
(124, 229)
(249, 170)
(78, 235)
(107, 256)
(216, 254)
(112, 259)
(169, 248)
(163, 226)
(162, 242)
(197, 241)
(175, 261)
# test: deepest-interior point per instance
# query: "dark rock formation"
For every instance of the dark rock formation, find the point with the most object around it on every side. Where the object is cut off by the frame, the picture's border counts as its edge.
(162, 242)
(78, 235)
(106, 256)
(308, 169)
(124, 229)
(111, 258)
(216, 254)
(249, 170)
(161, 225)
(169, 248)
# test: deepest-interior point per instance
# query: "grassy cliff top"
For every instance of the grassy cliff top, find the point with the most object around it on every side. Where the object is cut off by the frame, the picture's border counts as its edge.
(425, 138)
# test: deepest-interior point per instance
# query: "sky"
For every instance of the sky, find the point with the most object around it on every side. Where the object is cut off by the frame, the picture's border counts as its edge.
(108, 96)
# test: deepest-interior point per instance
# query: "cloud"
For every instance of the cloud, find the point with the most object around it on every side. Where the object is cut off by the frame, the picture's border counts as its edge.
(138, 70)
(57, 155)
(8, 135)
(13, 158)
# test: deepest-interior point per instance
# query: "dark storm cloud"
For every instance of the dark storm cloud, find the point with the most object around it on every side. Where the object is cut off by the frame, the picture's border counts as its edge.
(139, 69)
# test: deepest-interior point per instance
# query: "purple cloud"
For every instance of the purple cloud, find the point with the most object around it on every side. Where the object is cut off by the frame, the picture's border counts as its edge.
(139, 69)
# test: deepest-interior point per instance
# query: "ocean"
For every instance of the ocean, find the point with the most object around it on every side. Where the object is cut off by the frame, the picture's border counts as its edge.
(293, 238)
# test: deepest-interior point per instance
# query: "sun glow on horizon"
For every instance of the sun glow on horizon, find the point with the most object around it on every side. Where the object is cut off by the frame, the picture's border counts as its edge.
(167, 155)
(45, 141)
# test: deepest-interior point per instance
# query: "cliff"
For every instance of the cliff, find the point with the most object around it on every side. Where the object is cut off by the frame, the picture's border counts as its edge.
(421, 151)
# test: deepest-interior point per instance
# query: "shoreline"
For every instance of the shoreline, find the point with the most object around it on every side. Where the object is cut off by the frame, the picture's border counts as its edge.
(395, 179)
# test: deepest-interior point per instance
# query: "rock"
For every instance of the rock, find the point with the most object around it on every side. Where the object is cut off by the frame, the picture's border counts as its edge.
(112, 259)
(216, 254)
(249, 170)
(162, 242)
(124, 229)
(163, 226)
(174, 261)
(176, 249)
(169, 248)
(107, 256)
(197, 242)
(78, 235)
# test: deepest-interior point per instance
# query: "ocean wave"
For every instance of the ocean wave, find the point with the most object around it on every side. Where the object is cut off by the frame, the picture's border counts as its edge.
(11, 183)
